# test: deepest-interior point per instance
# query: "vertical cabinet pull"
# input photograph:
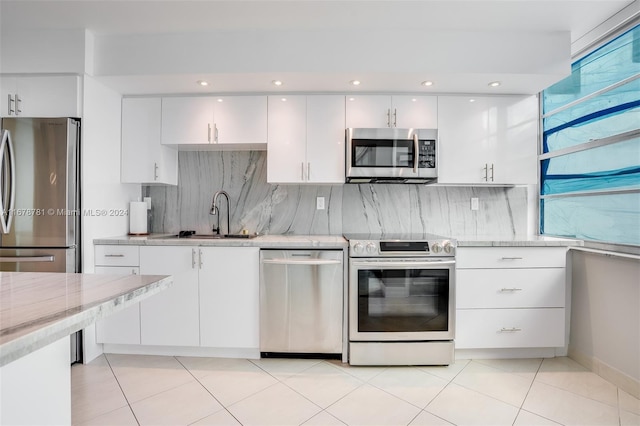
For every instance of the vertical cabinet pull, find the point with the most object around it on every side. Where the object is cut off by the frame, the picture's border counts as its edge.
(388, 117)
(133, 272)
(200, 259)
(209, 132)
(11, 105)
(302, 171)
(395, 117)
(491, 172)
(215, 133)
(155, 171)
(308, 171)
(193, 258)
(18, 102)
(486, 169)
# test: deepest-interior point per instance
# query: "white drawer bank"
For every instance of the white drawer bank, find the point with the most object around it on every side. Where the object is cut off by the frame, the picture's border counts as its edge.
(511, 302)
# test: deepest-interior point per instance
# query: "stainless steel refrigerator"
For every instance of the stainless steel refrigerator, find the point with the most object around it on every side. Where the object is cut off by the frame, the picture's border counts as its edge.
(40, 197)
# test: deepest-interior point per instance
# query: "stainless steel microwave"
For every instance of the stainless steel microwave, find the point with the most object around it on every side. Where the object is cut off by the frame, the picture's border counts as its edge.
(391, 155)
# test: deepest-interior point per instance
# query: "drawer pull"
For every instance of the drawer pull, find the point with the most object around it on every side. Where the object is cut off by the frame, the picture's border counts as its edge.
(510, 330)
(511, 258)
(114, 255)
(510, 289)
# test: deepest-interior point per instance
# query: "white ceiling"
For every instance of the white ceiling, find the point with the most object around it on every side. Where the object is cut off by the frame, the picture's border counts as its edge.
(117, 22)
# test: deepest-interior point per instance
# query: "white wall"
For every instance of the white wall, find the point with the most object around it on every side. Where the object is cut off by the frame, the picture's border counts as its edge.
(103, 196)
(605, 317)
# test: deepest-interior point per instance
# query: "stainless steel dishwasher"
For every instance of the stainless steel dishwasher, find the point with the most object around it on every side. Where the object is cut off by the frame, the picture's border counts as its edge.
(301, 302)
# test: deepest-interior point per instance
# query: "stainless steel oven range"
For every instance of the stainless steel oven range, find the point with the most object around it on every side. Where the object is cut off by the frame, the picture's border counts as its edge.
(401, 299)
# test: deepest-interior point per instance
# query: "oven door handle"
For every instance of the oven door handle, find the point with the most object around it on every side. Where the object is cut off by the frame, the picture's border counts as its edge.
(302, 262)
(399, 264)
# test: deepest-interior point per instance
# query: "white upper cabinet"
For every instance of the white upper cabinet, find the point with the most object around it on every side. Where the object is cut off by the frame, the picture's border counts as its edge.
(376, 111)
(55, 96)
(144, 158)
(187, 120)
(240, 120)
(325, 139)
(306, 139)
(214, 121)
(487, 140)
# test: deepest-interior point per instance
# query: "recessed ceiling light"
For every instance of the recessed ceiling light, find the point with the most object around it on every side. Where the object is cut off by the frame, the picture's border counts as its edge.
(352, 99)
(413, 100)
(276, 83)
(283, 99)
(472, 100)
(427, 83)
(494, 84)
(202, 83)
(355, 82)
(220, 100)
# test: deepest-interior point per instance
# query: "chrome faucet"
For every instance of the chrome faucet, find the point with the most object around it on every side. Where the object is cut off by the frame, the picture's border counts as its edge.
(216, 211)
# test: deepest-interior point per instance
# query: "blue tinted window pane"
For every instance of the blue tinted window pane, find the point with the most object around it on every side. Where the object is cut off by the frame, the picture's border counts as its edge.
(613, 62)
(607, 167)
(596, 128)
(611, 218)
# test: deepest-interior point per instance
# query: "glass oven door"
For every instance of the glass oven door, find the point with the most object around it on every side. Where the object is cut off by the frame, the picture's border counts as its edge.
(401, 299)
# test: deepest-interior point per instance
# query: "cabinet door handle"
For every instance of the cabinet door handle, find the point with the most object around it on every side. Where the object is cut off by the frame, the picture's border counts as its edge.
(11, 105)
(388, 117)
(486, 172)
(510, 329)
(133, 272)
(114, 255)
(155, 171)
(200, 258)
(511, 258)
(18, 101)
(395, 117)
(193, 258)
(504, 290)
(308, 171)
(215, 133)
(302, 170)
(209, 132)
(491, 172)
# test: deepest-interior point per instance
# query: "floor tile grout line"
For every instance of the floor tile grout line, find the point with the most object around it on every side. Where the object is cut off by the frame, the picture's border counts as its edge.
(224, 407)
(121, 390)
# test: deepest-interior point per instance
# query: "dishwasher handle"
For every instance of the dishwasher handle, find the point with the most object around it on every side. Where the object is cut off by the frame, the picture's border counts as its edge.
(283, 261)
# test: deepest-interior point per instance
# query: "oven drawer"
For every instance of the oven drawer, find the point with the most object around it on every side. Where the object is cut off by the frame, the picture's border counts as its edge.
(510, 257)
(117, 255)
(510, 288)
(510, 328)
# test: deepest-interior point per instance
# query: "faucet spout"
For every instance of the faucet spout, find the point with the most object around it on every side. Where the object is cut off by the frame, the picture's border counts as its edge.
(216, 211)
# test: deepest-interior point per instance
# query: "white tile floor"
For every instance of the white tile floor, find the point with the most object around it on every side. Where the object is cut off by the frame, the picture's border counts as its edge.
(154, 390)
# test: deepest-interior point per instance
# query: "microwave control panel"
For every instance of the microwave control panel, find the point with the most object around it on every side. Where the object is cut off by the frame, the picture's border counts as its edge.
(427, 154)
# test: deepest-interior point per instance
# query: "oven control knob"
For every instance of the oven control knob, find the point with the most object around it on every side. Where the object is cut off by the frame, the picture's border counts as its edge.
(358, 248)
(436, 248)
(448, 247)
(371, 248)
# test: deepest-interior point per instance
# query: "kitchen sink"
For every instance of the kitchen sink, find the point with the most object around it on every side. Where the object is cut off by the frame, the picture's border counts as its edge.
(211, 236)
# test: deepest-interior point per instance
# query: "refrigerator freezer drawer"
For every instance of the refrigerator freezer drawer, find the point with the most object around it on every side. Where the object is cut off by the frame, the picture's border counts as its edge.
(38, 260)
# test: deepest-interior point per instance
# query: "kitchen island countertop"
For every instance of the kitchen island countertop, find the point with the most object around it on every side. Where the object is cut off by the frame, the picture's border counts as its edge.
(38, 308)
(515, 241)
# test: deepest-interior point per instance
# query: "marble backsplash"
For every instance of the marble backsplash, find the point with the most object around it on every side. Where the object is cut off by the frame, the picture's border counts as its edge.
(280, 209)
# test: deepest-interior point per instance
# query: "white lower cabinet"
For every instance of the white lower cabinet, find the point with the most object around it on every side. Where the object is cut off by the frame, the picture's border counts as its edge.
(510, 297)
(121, 327)
(229, 297)
(170, 318)
(213, 302)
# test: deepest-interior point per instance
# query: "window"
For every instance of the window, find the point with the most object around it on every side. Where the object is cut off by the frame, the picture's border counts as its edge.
(590, 157)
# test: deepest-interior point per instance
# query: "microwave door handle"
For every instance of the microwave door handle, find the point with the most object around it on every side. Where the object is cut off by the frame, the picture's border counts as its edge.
(416, 153)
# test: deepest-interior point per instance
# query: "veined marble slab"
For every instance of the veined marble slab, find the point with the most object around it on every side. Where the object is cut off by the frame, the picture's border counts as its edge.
(262, 241)
(37, 309)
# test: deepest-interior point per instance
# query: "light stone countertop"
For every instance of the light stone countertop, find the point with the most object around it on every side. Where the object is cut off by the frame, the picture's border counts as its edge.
(515, 241)
(38, 308)
(331, 241)
(262, 241)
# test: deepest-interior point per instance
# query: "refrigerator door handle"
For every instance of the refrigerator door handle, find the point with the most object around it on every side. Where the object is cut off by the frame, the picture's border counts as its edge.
(7, 201)
(17, 259)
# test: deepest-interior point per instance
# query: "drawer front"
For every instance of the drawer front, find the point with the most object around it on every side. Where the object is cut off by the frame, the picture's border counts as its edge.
(511, 257)
(115, 255)
(118, 270)
(510, 328)
(510, 288)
